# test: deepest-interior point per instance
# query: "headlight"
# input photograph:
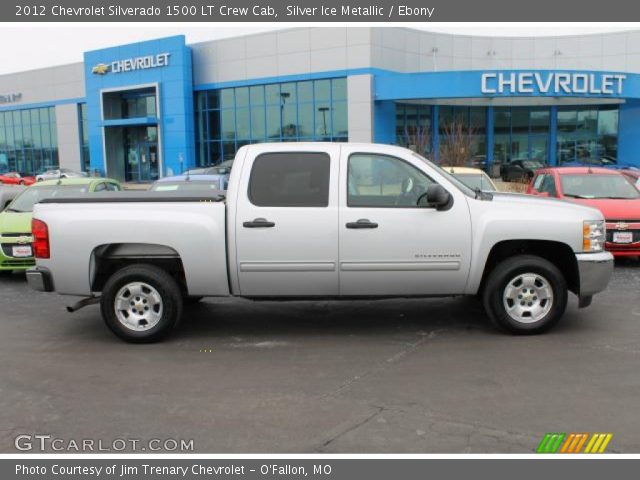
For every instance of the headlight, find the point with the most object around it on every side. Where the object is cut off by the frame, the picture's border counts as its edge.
(594, 234)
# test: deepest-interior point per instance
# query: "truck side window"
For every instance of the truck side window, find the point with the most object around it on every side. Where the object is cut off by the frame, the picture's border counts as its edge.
(290, 179)
(383, 181)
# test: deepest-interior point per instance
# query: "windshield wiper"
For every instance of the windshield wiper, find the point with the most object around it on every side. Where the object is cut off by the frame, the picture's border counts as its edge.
(618, 198)
(15, 210)
(575, 195)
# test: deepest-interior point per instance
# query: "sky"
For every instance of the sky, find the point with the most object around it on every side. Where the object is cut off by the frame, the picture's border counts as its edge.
(30, 46)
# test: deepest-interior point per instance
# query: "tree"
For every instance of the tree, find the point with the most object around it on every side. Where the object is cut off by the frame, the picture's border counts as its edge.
(417, 139)
(456, 144)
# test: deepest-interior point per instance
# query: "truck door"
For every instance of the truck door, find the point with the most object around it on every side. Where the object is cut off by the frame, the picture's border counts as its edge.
(286, 224)
(389, 245)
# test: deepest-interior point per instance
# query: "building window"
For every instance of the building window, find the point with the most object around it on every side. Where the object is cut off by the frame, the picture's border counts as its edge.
(85, 161)
(28, 140)
(588, 134)
(125, 104)
(521, 133)
(227, 119)
(413, 127)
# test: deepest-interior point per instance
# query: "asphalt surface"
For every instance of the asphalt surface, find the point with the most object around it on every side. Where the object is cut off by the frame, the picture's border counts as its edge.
(414, 376)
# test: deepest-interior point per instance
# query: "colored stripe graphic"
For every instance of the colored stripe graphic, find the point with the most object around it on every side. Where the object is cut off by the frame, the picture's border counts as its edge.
(551, 442)
(573, 442)
(598, 442)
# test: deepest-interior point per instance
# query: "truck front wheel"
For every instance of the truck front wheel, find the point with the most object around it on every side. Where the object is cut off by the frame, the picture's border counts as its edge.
(141, 303)
(525, 294)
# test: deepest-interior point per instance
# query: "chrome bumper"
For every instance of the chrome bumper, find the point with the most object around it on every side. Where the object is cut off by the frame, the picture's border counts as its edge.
(40, 279)
(595, 270)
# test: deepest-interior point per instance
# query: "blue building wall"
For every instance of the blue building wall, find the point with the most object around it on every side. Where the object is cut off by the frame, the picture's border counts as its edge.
(629, 133)
(175, 98)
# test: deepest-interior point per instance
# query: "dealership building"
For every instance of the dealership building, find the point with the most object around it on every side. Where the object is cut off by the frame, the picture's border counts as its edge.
(140, 111)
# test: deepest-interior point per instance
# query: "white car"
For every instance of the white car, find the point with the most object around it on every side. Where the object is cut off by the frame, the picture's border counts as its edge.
(320, 220)
(474, 178)
(59, 173)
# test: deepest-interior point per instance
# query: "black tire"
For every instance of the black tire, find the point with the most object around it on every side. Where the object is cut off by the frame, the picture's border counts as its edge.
(166, 287)
(510, 269)
(5, 273)
(189, 300)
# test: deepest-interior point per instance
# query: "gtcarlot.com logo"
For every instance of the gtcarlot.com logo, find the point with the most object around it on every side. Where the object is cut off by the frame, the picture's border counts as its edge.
(50, 443)
(574, 443)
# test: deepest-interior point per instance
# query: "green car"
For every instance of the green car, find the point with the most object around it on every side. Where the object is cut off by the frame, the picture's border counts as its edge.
(15, 220)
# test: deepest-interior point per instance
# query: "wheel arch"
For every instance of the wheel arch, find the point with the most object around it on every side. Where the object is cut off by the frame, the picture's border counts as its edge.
(106, 259)
(558, 253)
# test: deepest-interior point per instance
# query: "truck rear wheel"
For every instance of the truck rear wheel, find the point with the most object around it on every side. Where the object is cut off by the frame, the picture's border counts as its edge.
(525, 294)
(141, 303)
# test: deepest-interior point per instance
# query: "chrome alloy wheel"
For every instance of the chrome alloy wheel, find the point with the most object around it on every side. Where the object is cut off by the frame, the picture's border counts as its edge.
(528, 297)
(138, 306)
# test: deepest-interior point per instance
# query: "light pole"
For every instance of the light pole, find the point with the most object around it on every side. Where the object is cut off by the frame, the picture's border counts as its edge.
(324, 111)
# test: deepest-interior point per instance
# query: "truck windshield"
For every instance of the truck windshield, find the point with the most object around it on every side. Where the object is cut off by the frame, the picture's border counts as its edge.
(32, 195)
(593, 185)
(475, 181)
(461, 186)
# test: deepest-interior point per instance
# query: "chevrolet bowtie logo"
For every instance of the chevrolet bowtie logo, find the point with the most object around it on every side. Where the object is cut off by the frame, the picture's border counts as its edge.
(622, 226)
(100, 69)
(24, 240)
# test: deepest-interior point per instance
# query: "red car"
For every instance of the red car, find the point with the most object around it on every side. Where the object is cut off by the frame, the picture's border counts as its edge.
(607, 190)
(14, 178)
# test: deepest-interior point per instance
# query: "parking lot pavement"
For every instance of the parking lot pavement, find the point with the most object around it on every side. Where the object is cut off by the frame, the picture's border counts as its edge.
(386, 376)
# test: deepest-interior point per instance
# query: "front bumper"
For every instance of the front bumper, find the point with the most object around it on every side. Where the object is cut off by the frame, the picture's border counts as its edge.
(40, 279)
(595, 270)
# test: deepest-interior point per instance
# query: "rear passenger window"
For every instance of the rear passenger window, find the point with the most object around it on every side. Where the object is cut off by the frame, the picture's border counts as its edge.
(290, 179)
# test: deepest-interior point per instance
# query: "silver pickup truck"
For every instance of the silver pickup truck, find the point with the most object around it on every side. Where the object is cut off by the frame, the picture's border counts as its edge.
(320, 220)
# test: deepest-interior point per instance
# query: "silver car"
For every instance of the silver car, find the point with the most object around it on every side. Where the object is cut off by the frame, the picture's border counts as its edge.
(59, 173)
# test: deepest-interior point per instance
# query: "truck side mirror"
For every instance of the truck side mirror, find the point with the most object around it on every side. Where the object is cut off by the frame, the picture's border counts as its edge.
(435, 197)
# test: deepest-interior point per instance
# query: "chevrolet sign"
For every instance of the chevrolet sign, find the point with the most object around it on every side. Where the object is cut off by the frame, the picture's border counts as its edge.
(131, 64)
(100, 69)
(552, 83)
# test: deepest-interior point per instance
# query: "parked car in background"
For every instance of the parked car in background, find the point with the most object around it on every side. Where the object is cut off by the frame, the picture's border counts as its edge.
(222, 171)
(15, 220)
(59, 173)
(8, 193)
(519, 170)
(605, 189)
(14, 178)
(188, 183)
(474, 178)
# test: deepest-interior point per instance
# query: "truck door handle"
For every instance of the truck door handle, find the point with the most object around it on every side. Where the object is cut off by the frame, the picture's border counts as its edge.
(362, 223)
(259, 223)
